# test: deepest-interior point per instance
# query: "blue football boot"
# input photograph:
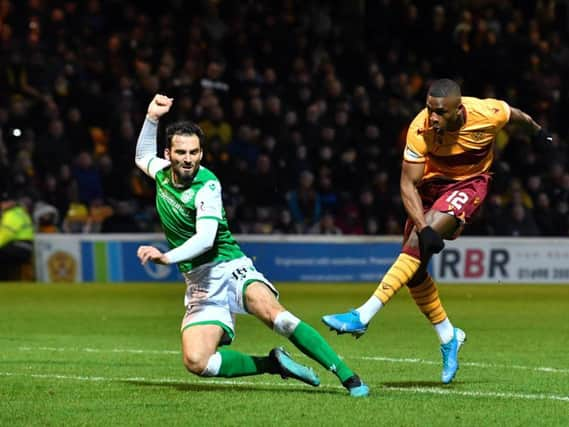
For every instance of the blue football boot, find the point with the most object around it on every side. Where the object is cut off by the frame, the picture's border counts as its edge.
(449, 352)
(345, 323)
(288, 368)
(356, 387)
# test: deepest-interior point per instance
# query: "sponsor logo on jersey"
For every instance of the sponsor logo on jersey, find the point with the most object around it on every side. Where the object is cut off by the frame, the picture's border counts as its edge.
(171, 200)
(187, 195)
(410, 154)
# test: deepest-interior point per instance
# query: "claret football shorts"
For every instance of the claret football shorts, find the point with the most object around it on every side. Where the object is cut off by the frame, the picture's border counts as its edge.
(458, 198)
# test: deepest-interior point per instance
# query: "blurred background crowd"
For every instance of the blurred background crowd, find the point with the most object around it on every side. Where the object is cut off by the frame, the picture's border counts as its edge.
(305, 105)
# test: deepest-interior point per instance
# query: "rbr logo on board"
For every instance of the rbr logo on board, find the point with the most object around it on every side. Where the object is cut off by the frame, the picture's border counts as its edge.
(473, 263)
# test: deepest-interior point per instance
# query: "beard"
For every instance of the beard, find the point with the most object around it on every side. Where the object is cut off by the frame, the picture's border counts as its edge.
(184, 177)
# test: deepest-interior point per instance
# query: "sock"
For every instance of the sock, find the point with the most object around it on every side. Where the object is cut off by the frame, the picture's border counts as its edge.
(236, 364)
(213, 365)
(369, 309)
(445, 331)
(311, 343)
(400, 273)
(426, 297)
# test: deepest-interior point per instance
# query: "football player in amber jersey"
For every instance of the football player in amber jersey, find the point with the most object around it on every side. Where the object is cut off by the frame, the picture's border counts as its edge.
(444, 180)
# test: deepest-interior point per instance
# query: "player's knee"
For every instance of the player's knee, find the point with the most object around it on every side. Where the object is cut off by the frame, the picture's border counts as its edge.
(195, 362)
(285, 323)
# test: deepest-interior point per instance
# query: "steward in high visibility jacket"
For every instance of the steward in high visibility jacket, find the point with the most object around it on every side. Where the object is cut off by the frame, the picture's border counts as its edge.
(16, 237)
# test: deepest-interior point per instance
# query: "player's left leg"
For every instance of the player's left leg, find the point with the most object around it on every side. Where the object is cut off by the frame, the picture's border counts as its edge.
(262, 303)
(424, 291)
(453, 207)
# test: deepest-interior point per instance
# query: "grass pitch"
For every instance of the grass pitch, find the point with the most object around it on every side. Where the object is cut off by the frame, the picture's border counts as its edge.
(109, 355)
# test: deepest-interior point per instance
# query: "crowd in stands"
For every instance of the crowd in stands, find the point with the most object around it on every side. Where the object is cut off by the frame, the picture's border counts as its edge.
(305, 105)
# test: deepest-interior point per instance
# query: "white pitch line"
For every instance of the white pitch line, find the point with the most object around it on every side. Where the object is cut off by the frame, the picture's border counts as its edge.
(524, 396)
(474, 364)
(417, 390)
(372, 358)
(99, 350)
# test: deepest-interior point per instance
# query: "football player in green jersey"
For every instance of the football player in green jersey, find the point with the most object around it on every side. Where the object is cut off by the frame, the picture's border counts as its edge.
(221, 281)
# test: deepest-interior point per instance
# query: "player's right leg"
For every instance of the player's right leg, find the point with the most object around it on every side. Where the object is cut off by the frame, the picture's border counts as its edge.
(261, 302)
(201, 356)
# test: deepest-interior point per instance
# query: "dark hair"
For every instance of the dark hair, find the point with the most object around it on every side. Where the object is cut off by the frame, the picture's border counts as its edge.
(443, 88)
(183, 128)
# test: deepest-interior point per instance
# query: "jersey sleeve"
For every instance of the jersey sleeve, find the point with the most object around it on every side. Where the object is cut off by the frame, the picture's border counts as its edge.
(208, 201)
(497, 111)
(145, 155)
(416, 147)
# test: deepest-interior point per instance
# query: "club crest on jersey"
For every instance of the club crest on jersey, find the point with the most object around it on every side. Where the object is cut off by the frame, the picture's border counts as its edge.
(187, 195)
(478, 135)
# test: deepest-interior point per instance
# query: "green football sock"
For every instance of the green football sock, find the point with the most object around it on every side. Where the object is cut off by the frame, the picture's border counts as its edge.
(311, 343)
(235, 364)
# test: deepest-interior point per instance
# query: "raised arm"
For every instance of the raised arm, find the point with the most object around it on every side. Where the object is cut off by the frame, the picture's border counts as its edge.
(146, 147)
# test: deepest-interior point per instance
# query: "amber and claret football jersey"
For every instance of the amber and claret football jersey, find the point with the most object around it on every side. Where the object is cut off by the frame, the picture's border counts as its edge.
(461, 154)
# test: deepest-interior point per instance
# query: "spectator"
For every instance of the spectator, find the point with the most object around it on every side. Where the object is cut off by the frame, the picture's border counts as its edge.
(16, 237)
(121, 220)
(326, 226)
(520, 222)
(88, 179)
(304, 203)
(46, 218)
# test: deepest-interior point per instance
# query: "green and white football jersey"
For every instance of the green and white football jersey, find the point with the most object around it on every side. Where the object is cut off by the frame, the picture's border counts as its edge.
(180, 208)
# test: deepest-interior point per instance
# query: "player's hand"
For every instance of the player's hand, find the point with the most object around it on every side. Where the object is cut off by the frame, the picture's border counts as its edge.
(430, 242)
(159, 106)
(150, 253)
(543, 136)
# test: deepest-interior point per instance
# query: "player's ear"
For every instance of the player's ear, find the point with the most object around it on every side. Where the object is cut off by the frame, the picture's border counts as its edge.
(167, 153)
(459, 109)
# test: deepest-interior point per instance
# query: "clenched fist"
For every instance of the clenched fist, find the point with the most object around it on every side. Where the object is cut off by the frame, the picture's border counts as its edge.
(159, 106)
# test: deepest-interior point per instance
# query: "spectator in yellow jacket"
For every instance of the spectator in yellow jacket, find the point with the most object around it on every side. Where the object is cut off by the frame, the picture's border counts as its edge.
(16, 237)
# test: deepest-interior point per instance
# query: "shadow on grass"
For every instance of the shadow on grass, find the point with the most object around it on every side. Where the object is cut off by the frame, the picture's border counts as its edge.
(185, 387)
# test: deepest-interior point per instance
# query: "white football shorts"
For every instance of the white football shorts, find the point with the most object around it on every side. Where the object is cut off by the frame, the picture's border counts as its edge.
(215, 293)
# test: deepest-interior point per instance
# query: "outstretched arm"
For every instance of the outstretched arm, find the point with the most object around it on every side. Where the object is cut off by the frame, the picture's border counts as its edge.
(146, 158)
(202, 241)
(517, 115)
(539, 134)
